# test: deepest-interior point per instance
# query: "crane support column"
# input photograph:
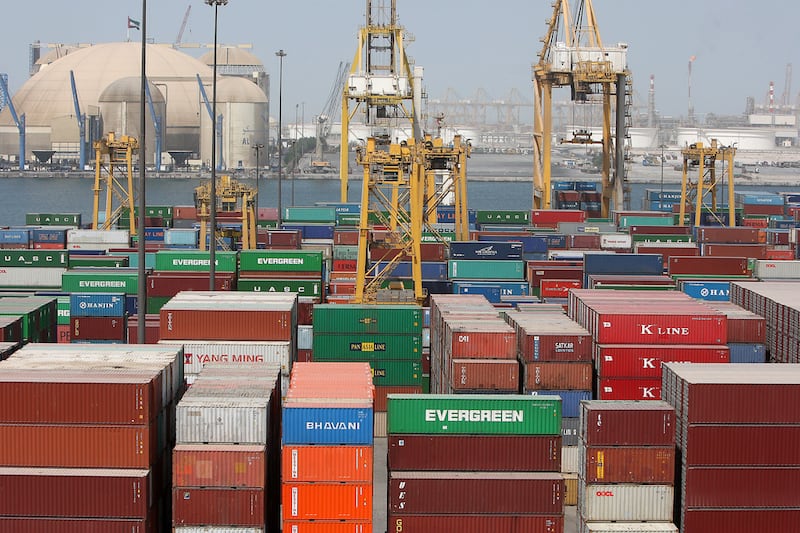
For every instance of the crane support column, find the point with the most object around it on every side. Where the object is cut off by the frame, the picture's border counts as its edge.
(619, 145)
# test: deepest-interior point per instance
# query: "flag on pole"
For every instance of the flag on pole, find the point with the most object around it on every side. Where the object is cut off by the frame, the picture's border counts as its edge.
(133, 24)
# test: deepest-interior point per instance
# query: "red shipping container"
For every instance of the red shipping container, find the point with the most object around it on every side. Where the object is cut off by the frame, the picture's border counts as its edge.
(484, 374)
(428, 251)
(719, 266)
(97, 328)
(231, 324)
(762, 209)
(761, 223)
(62, 333)
(755, 445)
(644, 360)
(75, 492)
(381, 392)
(754, 487)
(326, 464)
(536, 273)
(267, 213)
(231, 507)
(162, 284)
(10, 329)
(510, 453)
(629, 464)
(668, 251)
(739, 520)
(728, 235)
(79, 446)
(184, 212)
(549, 218)
(679, 327)
(558, 376)
(325, 501)
(48, 246)
(25, 524)
(557, 288)
(305, 310)
(660, 230)
(346, 237)
(487, 338)
(585, 241)
(345, 265)
(219, 465)
(476, 493)
(305, 356)
(152, 329)
(76, 397)
(326, 526)
(753, 251)
(629, 389)
(780, 255)
(340, 288)
(488, 523)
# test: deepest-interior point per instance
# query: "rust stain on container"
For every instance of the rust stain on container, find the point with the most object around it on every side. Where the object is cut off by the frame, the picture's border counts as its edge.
(629, 464)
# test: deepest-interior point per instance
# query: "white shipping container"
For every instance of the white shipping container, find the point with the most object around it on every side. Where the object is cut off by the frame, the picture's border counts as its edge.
(625, 502)
(204, 419)
(777, 270)
(305, 337)
(629, 527)
(379, 424)
(569, 459)
(615, 241)
(92, 236)
(426, 337)
(197, 354)
(47, 277)
(319, 245)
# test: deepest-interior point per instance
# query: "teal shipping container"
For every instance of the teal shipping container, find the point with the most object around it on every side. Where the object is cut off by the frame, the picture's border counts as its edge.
(485, 269)
(386, 319)
(303, 287)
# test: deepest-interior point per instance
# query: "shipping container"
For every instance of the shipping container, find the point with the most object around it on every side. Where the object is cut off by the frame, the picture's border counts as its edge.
(625, 502)
(739, 520)
(327, 424)
(323, 526)
(233, 507)
(34, 258)
(570, 399)
(476, 493)
(486, 269)
(741, 487)
(31, 278)
(97, 328)
(198, 354)
(485, 523)
(203, 418)
(364, 347)
(628, 464)
(510, 453)
(484, 375)
(558, 376)
(195, 261)
(27, 524)
(627, 423)
(629, 527)
(645, 360)
(740, 445)
(319, 463)
(219, 465)
(118, 281)
(280, 260)
(97, 305)
(326, 501)
(474, 414)
(486, 250)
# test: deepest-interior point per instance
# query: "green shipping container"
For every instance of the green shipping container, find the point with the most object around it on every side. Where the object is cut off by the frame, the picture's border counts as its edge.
(280, 260)
(155, 303)
(103, 281)
(476, 414)
(53, 219)
(443, 236)
(115, 261)
(194, 261)
(133, 259)
(426, 383)
(34, 258)
(344, 251)
(642, 220)
(63, 310)
(386, 373)
(267, 224)
(376, 319)
(303, 287)
(366, 347)
(39, 316)
(348, 219)
(485, 269)
(661, 238)
(503, 217)
(309, 214)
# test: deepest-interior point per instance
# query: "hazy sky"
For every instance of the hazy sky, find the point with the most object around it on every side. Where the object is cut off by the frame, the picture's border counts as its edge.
(740, 46)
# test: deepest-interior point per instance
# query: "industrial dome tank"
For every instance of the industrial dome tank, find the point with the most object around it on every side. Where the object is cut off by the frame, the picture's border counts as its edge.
(120, 106)
(741, 138)
(46, 98)
(243, 106)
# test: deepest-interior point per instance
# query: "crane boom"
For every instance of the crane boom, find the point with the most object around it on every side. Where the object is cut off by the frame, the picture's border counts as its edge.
(81, 123)
(179, 38)
(19, 121)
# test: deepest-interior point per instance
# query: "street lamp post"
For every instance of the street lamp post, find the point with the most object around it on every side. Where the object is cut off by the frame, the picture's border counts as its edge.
(257, 147)
(212, 249)
(141, 293)
(281, 54)
(296, 145)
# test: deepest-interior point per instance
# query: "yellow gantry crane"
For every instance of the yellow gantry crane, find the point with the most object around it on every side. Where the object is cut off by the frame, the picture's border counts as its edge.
(382, 84)
(702, 194)
(232, 196)
(573, 56)
(113, 156)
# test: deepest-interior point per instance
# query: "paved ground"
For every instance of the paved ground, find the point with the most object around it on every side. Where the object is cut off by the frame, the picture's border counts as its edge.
(379, 494)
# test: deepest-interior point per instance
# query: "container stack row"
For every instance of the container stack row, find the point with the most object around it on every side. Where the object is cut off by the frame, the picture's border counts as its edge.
(472, 348)
(225, 471)
(737, 433)
(634, 332)
(491, 268)
(627, 466)
(97, 317)
(777, 302)
(249, 329)
(327, 454)
(388, 337)
(86, 434)
(480, 463)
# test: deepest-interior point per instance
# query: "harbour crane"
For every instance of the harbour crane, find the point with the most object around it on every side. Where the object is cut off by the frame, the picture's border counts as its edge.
(114, 155)
(324, 119)
(217, 123)
(702, 194)
(179, 38)
(232, 196)
(81, 118)
(19, 121)
(573, 56)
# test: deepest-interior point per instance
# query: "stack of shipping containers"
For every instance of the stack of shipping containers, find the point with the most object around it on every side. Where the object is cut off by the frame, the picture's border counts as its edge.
(227, 454)
(97, 317)
(250, 329)
(38, 313)
(556, 357)
(731, 242)
(327, 453)
(187, 270)
(777, 303)
(635, 331)
(278, 270)
(472, 348)
(475, 463)
(627, 466)
(388, 337)
(32, 269)
(490, 268)
(86, 433)
(737, 433)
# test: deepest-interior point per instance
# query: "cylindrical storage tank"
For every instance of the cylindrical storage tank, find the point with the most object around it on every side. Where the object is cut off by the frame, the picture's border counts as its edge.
(120, 105)
(243, 106)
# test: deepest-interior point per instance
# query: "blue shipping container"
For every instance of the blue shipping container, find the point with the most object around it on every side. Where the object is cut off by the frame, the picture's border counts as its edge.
(747, 353)
(630, 264)
(447, 214)
(570, 400)
(585, 186)
(430, 271)
(759, 199)
(181, 237)
(15, 236)
(97, 304)
(530, 244)
(327, 425)
(312, 231)
(49, 235)
(563, 185)
(131, 305)
(712, 291)
(154, 234)
(490, 291)
(485, 250)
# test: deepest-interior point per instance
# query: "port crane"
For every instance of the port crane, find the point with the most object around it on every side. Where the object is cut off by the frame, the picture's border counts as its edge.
(232, 197)
(323, 120)
(573, 56)
(114, 156)
(702, 193)
(19, 120)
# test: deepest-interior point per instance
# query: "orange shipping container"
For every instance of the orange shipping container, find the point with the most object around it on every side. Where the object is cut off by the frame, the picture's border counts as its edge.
(484, 374)
(219, 465)
(327, 463)
(558, 376)
(318, 526)
(322, 501)
(79, 446)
